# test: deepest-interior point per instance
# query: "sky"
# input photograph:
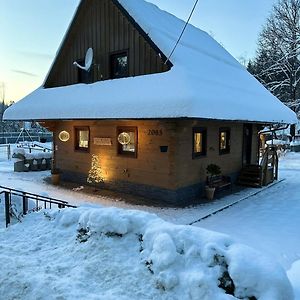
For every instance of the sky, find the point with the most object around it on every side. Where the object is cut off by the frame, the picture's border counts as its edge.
(32, 30)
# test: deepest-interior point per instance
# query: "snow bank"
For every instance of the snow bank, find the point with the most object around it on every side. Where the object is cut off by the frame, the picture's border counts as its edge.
(277, 142)
(294, 276)
(33, 155)
(160, 260)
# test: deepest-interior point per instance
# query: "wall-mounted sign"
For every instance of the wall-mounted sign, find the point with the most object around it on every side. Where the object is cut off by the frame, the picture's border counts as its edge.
(102, 141)
(64, 136)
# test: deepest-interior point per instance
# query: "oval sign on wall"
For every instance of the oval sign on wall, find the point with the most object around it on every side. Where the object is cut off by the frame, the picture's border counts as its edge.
(64, 136)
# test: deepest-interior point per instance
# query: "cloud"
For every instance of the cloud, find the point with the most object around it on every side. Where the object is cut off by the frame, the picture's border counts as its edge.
(25, 73)
(37, 55)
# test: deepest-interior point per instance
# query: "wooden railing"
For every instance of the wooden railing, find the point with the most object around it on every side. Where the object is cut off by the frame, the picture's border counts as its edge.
(41, 202)
(269, 165)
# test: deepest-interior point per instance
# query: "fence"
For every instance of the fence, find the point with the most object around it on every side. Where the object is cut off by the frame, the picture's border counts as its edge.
(5, 152)
(41, 202)
(12, 137)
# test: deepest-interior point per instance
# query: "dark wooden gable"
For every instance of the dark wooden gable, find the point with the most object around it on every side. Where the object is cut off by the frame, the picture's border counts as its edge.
(105, 26)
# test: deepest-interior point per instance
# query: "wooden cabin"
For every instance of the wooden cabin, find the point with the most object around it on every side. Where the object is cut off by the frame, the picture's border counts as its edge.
(154, 120)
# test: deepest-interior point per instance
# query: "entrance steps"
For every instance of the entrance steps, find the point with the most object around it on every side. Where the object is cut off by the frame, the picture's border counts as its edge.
(251, 175)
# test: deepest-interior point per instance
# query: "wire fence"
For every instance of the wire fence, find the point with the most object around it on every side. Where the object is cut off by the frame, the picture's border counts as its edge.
(5, 152)
(13, 137)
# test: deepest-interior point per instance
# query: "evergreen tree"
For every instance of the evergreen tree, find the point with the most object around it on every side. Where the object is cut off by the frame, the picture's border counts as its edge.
(277, 62)
(95, 174)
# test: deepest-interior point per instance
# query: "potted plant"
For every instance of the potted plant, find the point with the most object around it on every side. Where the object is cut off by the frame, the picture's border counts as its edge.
(211, 170)
(55, 176)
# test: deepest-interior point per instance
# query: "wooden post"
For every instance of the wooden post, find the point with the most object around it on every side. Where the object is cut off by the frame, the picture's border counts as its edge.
(276, 165)
(7, 216)
(8, 152)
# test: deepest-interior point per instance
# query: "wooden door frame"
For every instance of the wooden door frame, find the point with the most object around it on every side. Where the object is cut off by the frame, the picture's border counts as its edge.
(247, 155)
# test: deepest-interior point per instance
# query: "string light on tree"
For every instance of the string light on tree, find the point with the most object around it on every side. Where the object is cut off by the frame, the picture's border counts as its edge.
(95, 173)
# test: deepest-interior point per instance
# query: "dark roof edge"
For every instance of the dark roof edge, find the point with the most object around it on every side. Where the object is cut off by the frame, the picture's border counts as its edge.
(151, 119)
(143, 33)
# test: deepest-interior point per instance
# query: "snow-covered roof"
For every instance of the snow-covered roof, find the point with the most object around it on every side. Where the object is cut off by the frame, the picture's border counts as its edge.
(204, 82)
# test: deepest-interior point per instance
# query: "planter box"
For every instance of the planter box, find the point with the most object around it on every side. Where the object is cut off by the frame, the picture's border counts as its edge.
(210, 192)
(34, 166)
(43, 165)
(48, 163)
(295, 148)
(27, 164)
(19, 166)
(55, 179)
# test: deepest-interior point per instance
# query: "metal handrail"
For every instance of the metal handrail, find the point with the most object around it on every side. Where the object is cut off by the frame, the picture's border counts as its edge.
(8, 192)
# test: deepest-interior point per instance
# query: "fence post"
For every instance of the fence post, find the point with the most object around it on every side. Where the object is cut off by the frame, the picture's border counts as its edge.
(25, 204)
(7, 216)
(8, 152)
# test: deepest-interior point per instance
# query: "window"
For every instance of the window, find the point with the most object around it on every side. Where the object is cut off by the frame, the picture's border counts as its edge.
(199, 142)
(224, 140)
(127, 141)
(119, 65)
(82, 138)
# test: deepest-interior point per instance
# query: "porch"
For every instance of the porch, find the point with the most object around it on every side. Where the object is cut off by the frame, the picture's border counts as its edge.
(263, 173)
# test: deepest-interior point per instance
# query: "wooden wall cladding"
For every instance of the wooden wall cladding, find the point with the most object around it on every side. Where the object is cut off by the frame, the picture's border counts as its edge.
(172, 169)
(102, 25)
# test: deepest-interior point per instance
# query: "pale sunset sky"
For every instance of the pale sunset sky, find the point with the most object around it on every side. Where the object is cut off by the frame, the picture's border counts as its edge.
(31, 32)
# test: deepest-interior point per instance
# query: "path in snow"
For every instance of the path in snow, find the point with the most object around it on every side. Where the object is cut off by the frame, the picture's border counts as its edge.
(270, 221)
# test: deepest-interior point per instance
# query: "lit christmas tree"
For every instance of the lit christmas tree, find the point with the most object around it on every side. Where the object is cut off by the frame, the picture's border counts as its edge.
(95, 173)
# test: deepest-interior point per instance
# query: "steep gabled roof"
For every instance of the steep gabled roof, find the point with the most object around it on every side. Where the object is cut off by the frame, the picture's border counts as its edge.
(204, 82)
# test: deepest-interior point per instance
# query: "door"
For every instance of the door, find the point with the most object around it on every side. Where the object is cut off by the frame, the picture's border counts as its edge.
(247, 144)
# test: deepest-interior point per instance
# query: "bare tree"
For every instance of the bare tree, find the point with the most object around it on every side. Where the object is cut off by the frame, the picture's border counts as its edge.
(277, 63)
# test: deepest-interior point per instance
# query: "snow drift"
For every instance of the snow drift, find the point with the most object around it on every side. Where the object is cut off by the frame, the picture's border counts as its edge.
(109, 253)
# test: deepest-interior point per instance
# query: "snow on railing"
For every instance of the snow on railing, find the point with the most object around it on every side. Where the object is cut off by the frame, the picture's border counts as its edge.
(23, 207)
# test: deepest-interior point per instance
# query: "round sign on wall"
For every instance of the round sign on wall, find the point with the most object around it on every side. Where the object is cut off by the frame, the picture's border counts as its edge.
(64, 136)
(124, 138)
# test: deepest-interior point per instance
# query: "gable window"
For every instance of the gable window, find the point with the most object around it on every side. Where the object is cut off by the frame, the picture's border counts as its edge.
(82, 138)
(199, 142)
(224, 140)
(127, 141)
(119, 65)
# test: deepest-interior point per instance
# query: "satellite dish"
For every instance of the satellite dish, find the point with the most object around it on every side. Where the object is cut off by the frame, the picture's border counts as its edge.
(88, 60)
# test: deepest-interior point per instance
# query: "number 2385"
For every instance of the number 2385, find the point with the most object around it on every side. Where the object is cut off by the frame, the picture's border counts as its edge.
(156, 132)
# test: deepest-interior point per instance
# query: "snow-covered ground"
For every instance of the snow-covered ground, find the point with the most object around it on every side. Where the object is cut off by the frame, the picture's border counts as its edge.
(268, 222)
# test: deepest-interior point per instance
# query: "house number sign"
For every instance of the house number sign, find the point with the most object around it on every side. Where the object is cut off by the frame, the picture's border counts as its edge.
(155, 132)
(102, 141)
